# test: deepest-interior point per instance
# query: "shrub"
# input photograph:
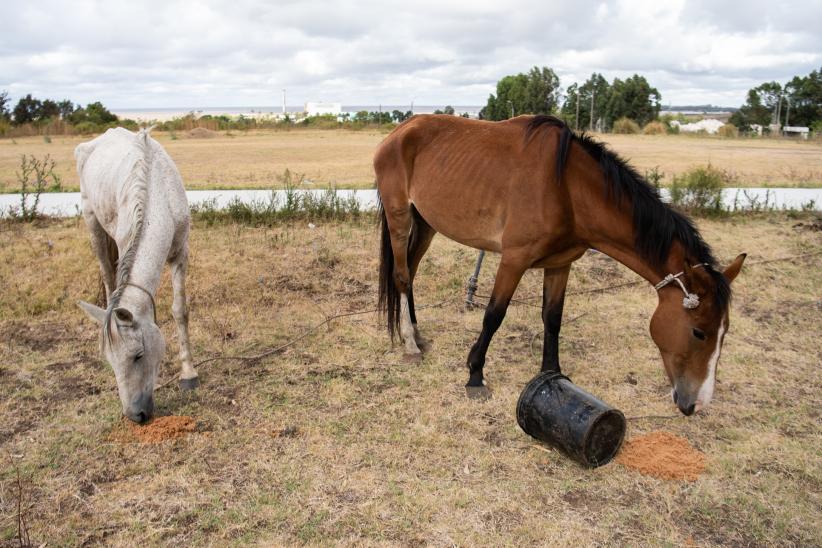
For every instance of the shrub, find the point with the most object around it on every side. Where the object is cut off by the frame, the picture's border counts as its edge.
(35, 177)
(86, 128)
(728, 130)
(699, 190)
(654, 176)
(655, 128)
(626, 125)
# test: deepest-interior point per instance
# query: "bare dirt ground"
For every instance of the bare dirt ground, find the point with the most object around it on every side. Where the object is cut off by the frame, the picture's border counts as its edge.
(343, 158)
(337, 440)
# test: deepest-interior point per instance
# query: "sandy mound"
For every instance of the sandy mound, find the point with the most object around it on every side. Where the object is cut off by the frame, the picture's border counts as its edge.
(201, 133)
(662, 455)
(157, 431)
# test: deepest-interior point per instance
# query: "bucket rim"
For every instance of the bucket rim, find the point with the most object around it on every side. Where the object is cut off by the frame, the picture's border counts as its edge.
(612, 412)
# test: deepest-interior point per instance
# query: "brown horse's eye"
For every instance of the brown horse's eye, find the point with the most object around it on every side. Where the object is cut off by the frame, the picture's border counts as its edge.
(699, 334)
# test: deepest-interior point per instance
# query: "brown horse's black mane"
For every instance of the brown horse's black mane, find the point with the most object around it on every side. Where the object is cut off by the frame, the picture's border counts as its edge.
(656, 224)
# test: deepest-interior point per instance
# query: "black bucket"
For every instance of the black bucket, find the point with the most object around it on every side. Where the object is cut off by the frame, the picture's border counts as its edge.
(553, 409)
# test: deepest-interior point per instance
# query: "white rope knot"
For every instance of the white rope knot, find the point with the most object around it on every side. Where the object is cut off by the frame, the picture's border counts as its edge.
(691, 300)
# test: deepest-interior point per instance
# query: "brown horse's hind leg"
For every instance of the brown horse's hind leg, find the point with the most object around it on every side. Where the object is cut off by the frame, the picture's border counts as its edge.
(400, 222)
(553, 299)
(421, 236)
(508, 277)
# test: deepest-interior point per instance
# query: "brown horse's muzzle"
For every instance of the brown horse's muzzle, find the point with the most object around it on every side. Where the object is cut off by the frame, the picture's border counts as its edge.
(684, 398)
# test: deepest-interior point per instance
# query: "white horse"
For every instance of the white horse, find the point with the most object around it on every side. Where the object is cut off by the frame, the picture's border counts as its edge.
(136, 209)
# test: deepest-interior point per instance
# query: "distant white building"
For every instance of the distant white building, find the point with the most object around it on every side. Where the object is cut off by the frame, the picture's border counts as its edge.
(321, 109)
(708, 125)
(799, 131)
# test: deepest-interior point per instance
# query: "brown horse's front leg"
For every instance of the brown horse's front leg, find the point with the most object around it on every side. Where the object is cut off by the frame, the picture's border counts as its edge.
(553, 298)
(508, 277)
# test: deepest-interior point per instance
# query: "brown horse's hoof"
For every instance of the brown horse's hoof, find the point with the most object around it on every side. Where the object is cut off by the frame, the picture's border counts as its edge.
(479, 393)
(189, 384)
(412, 358)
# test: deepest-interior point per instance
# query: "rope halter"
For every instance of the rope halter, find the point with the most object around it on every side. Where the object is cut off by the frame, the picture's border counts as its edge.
(691, 300)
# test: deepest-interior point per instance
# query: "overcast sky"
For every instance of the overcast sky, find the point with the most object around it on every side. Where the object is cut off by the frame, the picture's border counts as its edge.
(242, 52)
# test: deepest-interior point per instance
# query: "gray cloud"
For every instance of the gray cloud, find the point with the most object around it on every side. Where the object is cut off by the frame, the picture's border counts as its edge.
(242, 52)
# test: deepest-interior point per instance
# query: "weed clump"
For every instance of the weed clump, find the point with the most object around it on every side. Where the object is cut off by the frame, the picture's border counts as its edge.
(290, 204)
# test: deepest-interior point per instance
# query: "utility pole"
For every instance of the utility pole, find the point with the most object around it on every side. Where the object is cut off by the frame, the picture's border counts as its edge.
(788, 115)
(593, 92)
(576, 123)
(283, 101)
(779, 110)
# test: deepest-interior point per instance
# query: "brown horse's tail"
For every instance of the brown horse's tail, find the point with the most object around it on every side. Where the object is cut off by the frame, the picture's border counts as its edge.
(389, 301)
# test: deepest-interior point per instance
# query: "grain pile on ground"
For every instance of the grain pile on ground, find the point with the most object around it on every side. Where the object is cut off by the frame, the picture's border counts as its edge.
(202, 133)
(663, 455)
(157, 431)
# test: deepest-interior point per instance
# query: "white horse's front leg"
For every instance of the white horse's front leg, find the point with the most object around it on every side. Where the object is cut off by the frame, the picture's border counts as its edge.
(188, 375)
(100, 243)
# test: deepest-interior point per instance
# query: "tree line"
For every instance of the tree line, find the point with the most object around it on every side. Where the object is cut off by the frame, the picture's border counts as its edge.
(599, 104)
(593, 104)
(92, 118)
(796, 103)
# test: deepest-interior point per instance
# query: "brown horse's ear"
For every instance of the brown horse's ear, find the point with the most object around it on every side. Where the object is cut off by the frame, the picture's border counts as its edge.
(733, 269)
(699, 280)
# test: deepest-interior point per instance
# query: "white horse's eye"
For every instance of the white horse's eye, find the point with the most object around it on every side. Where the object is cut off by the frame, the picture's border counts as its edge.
(138, 356)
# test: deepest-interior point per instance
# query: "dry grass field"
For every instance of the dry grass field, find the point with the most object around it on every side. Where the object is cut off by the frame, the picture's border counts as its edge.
(343, 158)
(336, 440)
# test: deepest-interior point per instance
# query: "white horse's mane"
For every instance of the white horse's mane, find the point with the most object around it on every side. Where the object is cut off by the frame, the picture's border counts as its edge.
(137, 191)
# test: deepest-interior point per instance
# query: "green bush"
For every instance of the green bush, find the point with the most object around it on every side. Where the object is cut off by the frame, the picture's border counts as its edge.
(86, 128)
(626, 125)
(655, 128)
(699, 190)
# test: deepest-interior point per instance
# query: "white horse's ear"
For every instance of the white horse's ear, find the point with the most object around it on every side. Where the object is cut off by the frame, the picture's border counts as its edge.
(123, 317)
(94, 312)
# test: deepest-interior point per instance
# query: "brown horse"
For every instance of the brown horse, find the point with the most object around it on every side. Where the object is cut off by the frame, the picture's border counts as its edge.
(540, 195)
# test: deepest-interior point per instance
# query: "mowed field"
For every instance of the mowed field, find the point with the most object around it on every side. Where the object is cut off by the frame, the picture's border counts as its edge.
(343, 158)
(337, 440)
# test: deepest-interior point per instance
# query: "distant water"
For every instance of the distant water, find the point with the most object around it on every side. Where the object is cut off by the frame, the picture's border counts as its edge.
(162, 114)
(67, 204)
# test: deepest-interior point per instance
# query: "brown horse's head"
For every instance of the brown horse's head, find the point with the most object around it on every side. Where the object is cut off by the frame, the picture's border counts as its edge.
(689, 335)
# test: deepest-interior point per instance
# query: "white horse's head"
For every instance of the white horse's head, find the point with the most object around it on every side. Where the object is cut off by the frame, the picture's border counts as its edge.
(134, 346)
